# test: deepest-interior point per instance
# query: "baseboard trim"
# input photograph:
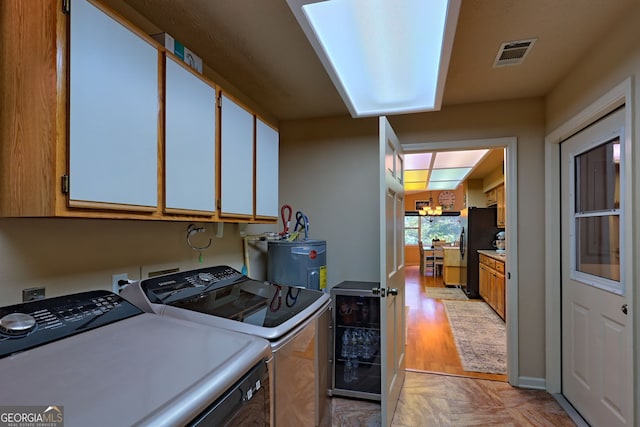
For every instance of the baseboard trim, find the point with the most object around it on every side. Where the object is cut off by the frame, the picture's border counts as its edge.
(532, 383)
(570, 410)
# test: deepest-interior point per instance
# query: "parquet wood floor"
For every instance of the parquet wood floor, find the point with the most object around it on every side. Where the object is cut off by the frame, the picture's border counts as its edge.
(437, 391)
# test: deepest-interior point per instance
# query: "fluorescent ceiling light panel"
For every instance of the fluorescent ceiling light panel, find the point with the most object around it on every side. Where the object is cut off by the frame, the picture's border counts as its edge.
(442, 185)
(454, 174)
(384, 57)
(458, 159)
(415, 186)
(415, 175)
(417, 161)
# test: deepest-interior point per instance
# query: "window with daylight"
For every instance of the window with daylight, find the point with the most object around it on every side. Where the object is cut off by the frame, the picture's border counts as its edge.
(427, 228)
(596, 223)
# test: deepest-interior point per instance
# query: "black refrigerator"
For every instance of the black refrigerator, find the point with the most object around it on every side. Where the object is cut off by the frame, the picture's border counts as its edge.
(478, 232)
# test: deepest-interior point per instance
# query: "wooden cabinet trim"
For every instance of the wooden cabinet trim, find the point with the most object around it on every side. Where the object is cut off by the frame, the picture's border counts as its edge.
(44, 148)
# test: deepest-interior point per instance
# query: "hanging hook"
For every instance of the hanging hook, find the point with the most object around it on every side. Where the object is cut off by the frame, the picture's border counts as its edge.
(191, 230)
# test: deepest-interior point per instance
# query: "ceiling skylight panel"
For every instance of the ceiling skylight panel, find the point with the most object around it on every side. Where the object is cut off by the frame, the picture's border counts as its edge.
(458, 159)
(415, 175)
(417, 161)
(443, 185)
(454, 174)
(415, 186)
(383, 58)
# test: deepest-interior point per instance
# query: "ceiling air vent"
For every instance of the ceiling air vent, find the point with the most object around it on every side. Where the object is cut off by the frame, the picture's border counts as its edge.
(513, 53)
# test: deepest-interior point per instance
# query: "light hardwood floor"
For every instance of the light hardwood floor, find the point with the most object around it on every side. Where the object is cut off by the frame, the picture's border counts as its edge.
(430, 345)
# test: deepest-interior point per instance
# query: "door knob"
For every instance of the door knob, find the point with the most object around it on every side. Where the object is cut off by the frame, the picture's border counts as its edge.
(624, 308)
(392, 291)
(375, 291)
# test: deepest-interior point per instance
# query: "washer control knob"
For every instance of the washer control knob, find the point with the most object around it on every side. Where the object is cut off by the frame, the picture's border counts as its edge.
(204, 278)
(17, 324)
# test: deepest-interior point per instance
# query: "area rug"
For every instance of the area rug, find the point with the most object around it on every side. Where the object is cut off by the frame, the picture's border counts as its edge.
(445, 293)
(480, 336)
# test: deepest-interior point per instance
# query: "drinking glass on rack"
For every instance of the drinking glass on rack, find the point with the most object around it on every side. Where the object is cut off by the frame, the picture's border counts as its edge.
(347, 371)
(354, 370)
(346, 341)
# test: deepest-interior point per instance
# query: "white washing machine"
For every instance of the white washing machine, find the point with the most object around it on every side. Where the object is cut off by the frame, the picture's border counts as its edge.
(294, 319)
(94, 359)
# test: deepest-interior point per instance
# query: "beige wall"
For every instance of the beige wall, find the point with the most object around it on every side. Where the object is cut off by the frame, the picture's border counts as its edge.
(523, 119)
(613, 60)
(73, 255)
(329, 168)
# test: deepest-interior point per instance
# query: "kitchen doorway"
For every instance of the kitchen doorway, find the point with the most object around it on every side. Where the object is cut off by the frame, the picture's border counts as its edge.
(511, 276)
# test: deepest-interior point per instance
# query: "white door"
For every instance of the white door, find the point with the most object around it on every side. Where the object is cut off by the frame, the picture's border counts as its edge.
(392, 306)
(597, 372)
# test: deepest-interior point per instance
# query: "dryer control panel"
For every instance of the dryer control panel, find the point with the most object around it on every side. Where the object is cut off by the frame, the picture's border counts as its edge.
(31, 324)
(175, 286)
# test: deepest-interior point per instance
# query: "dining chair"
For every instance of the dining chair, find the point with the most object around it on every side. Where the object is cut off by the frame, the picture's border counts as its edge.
(438, 257)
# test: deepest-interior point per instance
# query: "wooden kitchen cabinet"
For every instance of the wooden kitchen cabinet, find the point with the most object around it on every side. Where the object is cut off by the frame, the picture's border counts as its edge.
(237, 158)
(501, 209)
(492, 283)
(267, 152)
(452, 267)
(496, 197)
(105, 156)
(80, 160)
(190, 141)
(113, 113)
(492, 197)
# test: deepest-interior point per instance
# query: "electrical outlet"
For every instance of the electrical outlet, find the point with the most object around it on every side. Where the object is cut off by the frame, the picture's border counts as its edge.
(32, 294)
(115, 287)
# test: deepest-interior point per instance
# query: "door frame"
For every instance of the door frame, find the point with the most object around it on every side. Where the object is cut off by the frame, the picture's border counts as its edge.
(511, 181)
(620, 95)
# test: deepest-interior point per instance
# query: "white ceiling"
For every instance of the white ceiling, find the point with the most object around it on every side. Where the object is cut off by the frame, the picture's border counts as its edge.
(258, 47)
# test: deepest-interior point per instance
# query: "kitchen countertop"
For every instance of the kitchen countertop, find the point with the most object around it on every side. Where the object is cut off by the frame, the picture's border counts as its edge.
(451, 247)
(493, 254)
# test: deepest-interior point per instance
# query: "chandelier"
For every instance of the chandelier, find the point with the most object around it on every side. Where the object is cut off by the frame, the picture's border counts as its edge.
(428, 211)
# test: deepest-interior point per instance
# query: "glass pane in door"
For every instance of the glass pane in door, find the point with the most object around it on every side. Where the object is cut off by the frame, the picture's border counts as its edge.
(598, 178)
(597, 212)
(598, 242)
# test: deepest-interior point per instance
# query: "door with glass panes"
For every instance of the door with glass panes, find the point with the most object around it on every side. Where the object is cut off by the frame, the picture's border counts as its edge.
(597, 367)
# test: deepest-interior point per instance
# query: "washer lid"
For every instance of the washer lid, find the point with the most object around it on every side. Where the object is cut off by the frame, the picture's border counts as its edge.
(151, 369)
(256, 303)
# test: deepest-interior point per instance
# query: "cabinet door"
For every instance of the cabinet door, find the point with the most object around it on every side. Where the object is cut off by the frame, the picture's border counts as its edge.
(484, 282)
(501, 212)
(190, 121)
(113, 123)
(237, 157)
(499, 296)
(266, 170)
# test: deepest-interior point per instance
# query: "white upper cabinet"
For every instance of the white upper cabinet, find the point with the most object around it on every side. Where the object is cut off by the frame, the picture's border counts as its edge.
(190, 123)
(113, 123)
(237, 159)
(267, 144)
